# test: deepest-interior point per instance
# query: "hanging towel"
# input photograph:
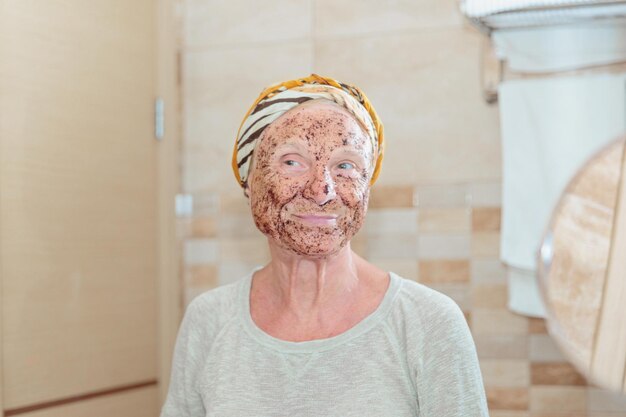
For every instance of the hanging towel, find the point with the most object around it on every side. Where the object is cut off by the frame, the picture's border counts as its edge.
(562, 47)
(523, 291)
(550, 127)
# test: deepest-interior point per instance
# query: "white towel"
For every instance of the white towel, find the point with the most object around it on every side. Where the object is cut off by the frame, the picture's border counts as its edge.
(524, 296)
(562, 47)
(550, 127)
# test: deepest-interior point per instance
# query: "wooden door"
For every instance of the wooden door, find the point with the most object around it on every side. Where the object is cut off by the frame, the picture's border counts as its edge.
(79, 208)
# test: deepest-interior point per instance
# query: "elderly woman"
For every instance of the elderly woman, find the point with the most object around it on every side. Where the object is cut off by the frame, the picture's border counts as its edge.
(319, 331)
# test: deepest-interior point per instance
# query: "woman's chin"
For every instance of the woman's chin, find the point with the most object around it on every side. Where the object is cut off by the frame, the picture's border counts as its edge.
(322, 248)
(319, 254)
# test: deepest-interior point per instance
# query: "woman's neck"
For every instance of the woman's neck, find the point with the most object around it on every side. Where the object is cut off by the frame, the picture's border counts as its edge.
(297, 298)
(304, 285)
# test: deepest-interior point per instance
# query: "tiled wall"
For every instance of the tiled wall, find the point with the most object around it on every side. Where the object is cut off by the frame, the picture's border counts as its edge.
(434, 213)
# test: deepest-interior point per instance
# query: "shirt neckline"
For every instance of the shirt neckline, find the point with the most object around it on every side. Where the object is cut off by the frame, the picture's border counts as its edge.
(375, 317)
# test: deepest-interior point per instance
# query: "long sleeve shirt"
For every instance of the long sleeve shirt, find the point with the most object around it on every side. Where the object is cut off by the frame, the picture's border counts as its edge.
(413, 356)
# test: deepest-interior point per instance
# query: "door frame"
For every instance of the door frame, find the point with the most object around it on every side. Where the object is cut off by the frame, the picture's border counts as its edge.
(168, 79)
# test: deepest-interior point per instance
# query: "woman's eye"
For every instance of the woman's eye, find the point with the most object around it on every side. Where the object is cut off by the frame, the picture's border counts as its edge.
(292, 163)
(346, 165)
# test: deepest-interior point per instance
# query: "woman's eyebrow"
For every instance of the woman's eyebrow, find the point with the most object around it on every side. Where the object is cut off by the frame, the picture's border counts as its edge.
(292, 144)
(350, 152)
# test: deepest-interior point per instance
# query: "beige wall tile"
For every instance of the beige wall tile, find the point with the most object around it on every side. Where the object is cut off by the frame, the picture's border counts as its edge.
(498, 321)
(501, 413)
(405, 268)
(544, 349)
(183, 228)
(244, 249)
(486, 245)
(238, 225)
(200, 251)
(205, 203)
(449, 246)
(358, 17)
(203, 226)
(427, 86)
(558, 399)
(502, 346)
(537, 325)
(490, 295)
(359, 244)
(555, 373)
(390, 221)
(601, 400)
(202, 276)
(231, 271)
(210, 22)
(234, 202)
(382, 196)
(214, 105)
(444, 271)
(510, 399)
(565, 414)
(486, 219)
(392, 247)
(440, 220)
(442, 195)
(488, 194)
(488, 271)
(505, 372)
(196, 175)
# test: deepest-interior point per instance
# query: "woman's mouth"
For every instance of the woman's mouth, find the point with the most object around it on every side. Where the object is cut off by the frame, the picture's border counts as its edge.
(318, 219)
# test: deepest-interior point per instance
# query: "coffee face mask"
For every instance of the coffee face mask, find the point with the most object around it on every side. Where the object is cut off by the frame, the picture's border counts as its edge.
(309, 187)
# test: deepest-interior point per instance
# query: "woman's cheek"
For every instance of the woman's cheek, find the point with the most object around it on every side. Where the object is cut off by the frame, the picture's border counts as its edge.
(353, 191)
(285, 186)
(273, 192)
(264, 203)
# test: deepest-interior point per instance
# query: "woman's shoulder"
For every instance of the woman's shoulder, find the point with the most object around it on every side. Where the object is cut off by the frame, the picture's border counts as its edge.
(220, 297)
(215, 306)
(425, 320)
(418, 297)
(419, 308)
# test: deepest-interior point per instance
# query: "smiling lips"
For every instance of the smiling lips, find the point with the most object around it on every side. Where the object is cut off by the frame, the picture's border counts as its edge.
(318, 219)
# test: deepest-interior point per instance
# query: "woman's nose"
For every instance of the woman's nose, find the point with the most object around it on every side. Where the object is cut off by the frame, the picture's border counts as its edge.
(320, 187)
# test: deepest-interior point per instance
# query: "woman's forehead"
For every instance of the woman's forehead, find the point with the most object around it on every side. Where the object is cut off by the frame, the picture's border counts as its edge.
(300, 145)
(320, 107)
(322, 118)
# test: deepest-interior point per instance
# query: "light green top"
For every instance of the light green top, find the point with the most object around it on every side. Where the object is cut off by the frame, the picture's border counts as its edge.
(413, 356)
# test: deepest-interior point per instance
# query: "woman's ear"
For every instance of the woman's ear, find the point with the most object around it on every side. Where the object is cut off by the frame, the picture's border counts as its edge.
(246, 184)
(246, 187)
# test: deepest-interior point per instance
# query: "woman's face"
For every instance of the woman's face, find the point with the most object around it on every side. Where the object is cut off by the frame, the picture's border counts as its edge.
(309, 184)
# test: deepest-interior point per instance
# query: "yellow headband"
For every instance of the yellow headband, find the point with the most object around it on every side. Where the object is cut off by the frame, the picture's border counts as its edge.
(289, 94)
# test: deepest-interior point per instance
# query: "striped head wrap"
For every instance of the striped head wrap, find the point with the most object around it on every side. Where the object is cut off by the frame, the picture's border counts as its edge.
(279, 98)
